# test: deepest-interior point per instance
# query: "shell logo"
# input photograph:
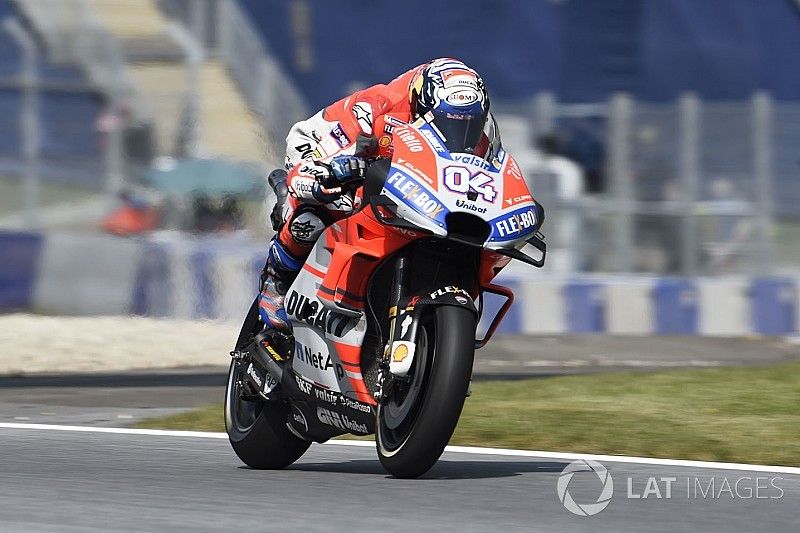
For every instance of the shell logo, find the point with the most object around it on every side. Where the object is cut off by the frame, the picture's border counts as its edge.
(400, 353)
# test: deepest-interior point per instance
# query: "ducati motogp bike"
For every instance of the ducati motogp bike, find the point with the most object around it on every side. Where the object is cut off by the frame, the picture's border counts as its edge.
(384, 312)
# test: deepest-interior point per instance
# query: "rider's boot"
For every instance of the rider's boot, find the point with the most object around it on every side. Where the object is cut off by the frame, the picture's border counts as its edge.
(279, 273)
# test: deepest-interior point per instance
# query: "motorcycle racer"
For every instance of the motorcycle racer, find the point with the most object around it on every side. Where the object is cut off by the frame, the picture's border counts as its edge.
(326, 156)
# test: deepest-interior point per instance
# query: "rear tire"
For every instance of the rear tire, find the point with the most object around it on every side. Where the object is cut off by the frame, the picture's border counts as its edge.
(412, 447)
(256, 428)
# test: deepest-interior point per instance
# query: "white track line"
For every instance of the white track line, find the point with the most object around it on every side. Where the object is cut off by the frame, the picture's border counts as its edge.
(452, 449)
(122, 431)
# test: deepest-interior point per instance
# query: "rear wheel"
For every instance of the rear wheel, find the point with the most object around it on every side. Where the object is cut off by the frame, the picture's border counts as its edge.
(419, 417)
(256, 428)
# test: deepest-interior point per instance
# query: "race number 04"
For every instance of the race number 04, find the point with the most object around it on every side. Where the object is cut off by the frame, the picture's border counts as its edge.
(459, 179)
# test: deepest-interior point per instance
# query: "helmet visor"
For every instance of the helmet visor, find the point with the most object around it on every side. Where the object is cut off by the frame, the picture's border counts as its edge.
(461, 132)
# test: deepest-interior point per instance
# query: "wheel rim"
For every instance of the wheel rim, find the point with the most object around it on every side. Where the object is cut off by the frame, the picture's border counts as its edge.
(240, 414)
(397, 416)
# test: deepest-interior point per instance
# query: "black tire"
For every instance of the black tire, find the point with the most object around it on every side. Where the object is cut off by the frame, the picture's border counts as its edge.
(412, 447)
(256, 428)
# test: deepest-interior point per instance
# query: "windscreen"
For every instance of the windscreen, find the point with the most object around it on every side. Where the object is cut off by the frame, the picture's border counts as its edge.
(461, 132)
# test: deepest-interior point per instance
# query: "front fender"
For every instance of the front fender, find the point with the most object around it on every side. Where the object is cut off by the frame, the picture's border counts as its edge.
(407, 317)
(447, 295)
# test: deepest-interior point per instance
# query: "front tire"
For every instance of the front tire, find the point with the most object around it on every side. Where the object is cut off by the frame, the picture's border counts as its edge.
(256, 428)
(441, 374)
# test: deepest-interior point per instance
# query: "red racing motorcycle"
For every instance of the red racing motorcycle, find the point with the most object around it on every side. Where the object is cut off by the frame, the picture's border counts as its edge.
(385, 311)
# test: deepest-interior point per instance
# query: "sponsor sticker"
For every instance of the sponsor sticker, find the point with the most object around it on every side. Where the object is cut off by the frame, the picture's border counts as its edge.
(312, 312)
(450, 289)
(433, 140)
(340, 421)
(414, 195)
(473, 160)
(400, 353)
(514, 224)
(469, 206)
(461, 96)
(411, 140)
(363, 113)
(306, 150)
(303, 384)
(299, 419)
(402, 357)
(340, 136)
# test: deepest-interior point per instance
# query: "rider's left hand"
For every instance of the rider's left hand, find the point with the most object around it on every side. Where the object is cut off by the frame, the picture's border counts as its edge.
(348, 168)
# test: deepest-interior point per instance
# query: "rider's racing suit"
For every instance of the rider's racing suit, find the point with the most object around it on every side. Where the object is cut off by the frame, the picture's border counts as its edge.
(358, 125)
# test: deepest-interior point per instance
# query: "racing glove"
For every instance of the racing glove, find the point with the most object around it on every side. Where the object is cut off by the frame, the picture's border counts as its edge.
(342, 170)
(348, 168)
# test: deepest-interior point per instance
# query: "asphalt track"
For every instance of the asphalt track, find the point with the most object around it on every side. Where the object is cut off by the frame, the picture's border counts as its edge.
(55, 480)
(67, 480)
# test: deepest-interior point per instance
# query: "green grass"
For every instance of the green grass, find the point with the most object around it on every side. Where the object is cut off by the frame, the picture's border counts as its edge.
(748, 414)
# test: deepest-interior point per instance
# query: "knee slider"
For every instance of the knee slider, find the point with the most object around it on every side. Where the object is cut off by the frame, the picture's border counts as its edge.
(306, 227)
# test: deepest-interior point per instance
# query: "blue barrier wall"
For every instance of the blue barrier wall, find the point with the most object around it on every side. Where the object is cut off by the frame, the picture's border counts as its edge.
(581, 49)
(675, 307)
(19, 265)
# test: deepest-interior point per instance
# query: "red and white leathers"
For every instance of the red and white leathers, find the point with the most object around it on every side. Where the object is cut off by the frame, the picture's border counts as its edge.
(335, 131)
(360, 124)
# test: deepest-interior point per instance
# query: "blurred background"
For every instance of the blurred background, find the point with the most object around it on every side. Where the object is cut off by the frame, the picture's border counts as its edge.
(661, 137)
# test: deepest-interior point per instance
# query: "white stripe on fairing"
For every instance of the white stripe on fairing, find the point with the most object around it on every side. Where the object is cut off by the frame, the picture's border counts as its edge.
(724, 306)
(543, 309)
(453, 449)
(629, 308)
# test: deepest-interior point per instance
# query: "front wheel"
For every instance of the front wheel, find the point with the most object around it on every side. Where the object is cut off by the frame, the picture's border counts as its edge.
(419, 417)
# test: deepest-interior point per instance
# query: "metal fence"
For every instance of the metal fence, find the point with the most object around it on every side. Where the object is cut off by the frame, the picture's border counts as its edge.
(685, 187)
(227, 33)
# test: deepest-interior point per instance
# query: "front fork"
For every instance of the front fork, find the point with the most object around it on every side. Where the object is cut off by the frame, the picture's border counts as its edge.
(404, 314)
(399, 282)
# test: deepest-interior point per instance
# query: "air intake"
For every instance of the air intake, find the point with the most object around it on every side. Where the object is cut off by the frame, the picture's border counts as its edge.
(467, 228)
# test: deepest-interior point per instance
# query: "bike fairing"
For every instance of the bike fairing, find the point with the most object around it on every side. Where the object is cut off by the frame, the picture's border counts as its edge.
(402, 186)
(324, 328)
